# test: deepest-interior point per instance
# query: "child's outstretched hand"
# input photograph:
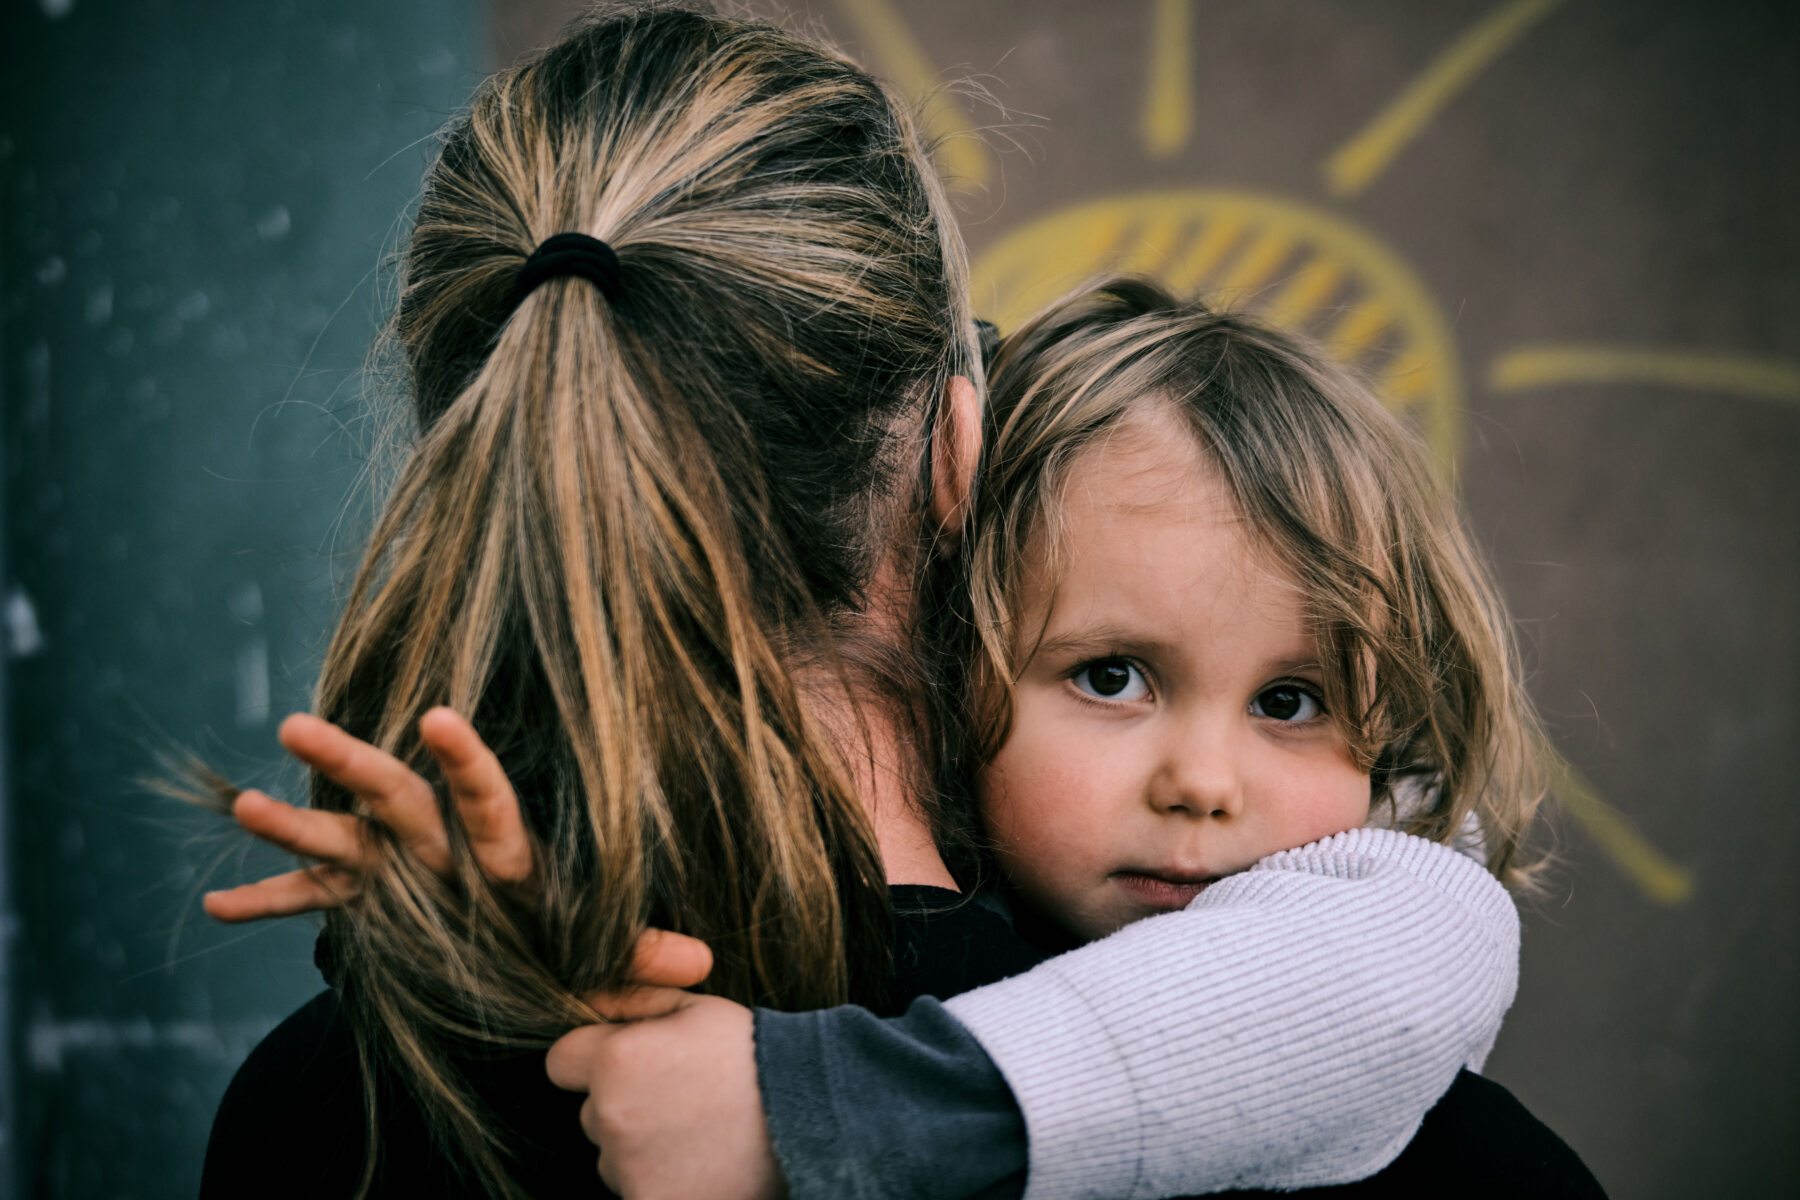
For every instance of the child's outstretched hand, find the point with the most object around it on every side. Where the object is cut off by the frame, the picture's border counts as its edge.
(391, 793)
(673, 1102)
(679, 1113)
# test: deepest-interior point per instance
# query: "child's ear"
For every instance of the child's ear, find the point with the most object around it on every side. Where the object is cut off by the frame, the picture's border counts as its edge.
(955, 451)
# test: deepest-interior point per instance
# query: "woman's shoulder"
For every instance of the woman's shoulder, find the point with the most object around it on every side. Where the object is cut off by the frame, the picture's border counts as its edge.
(1482, 1137)
(1478, 1143)
(294, 1123)
(291, 1121)
(305, 1069)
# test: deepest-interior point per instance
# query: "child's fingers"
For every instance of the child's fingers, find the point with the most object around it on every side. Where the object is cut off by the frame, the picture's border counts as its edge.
(309, 890)
(672, 960)
(639, 1003)
(484, 798)
(332, 837)
(395, 794)
(571, 1056)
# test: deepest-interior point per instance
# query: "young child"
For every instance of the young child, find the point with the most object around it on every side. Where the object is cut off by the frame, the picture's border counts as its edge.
(1221, 610)
(1225, 608)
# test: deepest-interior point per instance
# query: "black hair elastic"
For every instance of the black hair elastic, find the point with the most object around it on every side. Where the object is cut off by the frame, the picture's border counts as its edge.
(987, 335)
(570, 254)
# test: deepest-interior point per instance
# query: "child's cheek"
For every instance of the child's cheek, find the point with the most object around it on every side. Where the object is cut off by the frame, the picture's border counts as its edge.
(1047, 759)
(1326, 794)
(1031, 801)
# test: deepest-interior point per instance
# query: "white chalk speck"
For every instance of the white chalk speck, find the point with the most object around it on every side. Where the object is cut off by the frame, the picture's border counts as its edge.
(100, 305)
(273, 225)
(48, 1040)
(253, 683)
(51, 271)
(245, 602)
(56, 10)
(37, 386)
(228, 341)
(193, 306)
(23, 637)
(437, 62)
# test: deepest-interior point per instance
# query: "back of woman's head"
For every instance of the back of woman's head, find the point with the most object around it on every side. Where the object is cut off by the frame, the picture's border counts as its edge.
(1416, 649)
(632, 514)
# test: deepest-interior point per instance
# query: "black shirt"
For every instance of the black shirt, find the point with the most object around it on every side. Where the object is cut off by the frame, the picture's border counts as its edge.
(292, 1121)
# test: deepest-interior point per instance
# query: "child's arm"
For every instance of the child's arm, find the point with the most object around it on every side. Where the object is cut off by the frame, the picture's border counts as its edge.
(1290, 1028)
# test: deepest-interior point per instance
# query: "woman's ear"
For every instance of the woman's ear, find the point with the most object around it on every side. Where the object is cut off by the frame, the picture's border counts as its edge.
(955, 451)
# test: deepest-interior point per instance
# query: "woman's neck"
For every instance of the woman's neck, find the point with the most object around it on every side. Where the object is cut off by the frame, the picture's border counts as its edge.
(884, 768)
(884, 776)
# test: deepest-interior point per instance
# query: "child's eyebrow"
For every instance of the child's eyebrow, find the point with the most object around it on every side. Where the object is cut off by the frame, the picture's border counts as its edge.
(1301, 665)
(1105, 639)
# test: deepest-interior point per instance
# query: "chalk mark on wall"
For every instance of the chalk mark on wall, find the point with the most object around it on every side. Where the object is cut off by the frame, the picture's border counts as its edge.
(1168, 119)
(1301, 267)
(1315, 272)
(1529, 367)
(1356, 165)
(962, 158)
(49, 1041)
(1655, 874)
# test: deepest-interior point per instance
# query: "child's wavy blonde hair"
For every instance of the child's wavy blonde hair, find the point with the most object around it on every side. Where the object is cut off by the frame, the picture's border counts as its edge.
(1421, 670)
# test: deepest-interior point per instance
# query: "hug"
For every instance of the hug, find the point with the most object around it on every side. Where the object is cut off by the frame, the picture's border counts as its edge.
(780, 742)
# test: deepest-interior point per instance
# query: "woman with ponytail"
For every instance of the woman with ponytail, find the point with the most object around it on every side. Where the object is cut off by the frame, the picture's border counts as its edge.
(695, 396)
(676, 310)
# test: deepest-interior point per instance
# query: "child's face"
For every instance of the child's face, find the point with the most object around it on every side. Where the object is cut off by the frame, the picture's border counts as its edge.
(1167, 730)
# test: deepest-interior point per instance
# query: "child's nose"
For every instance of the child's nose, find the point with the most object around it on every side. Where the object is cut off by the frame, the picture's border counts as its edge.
(1198, 778)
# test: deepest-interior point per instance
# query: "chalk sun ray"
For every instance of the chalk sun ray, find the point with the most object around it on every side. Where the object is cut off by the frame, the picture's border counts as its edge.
(1527, 368)
(961, 155)
(1356, 164)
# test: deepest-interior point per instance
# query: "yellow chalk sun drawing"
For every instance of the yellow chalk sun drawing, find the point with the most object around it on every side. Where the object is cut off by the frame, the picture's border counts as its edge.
(1311, 270)
(1302, 268)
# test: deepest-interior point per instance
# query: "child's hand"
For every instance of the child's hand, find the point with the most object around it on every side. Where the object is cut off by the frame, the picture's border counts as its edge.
(391, 793)
(672, 1096)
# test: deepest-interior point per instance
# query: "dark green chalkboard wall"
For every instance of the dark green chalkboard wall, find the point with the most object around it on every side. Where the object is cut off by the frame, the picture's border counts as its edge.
(195, 194)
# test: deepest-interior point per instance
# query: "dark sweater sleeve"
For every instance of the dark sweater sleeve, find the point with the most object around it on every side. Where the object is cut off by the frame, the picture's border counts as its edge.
(861, 1107)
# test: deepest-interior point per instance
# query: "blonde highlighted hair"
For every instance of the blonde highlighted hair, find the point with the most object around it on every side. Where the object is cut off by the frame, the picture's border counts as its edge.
(1421, 670)
(632, 531)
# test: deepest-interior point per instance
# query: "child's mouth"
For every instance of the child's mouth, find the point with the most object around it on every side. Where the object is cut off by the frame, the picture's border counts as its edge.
(1169, 892)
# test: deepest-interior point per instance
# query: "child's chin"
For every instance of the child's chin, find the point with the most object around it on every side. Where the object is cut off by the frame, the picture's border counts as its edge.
(1097, 926)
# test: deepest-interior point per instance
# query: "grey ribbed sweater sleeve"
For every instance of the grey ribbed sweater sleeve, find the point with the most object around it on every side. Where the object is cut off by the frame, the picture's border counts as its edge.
(1345, 983)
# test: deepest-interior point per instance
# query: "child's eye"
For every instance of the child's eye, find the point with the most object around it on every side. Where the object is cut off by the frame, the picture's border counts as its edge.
(1286, 702)
(1111, 679)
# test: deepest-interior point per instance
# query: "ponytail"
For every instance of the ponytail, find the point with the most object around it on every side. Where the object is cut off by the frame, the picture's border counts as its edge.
(631, 528)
